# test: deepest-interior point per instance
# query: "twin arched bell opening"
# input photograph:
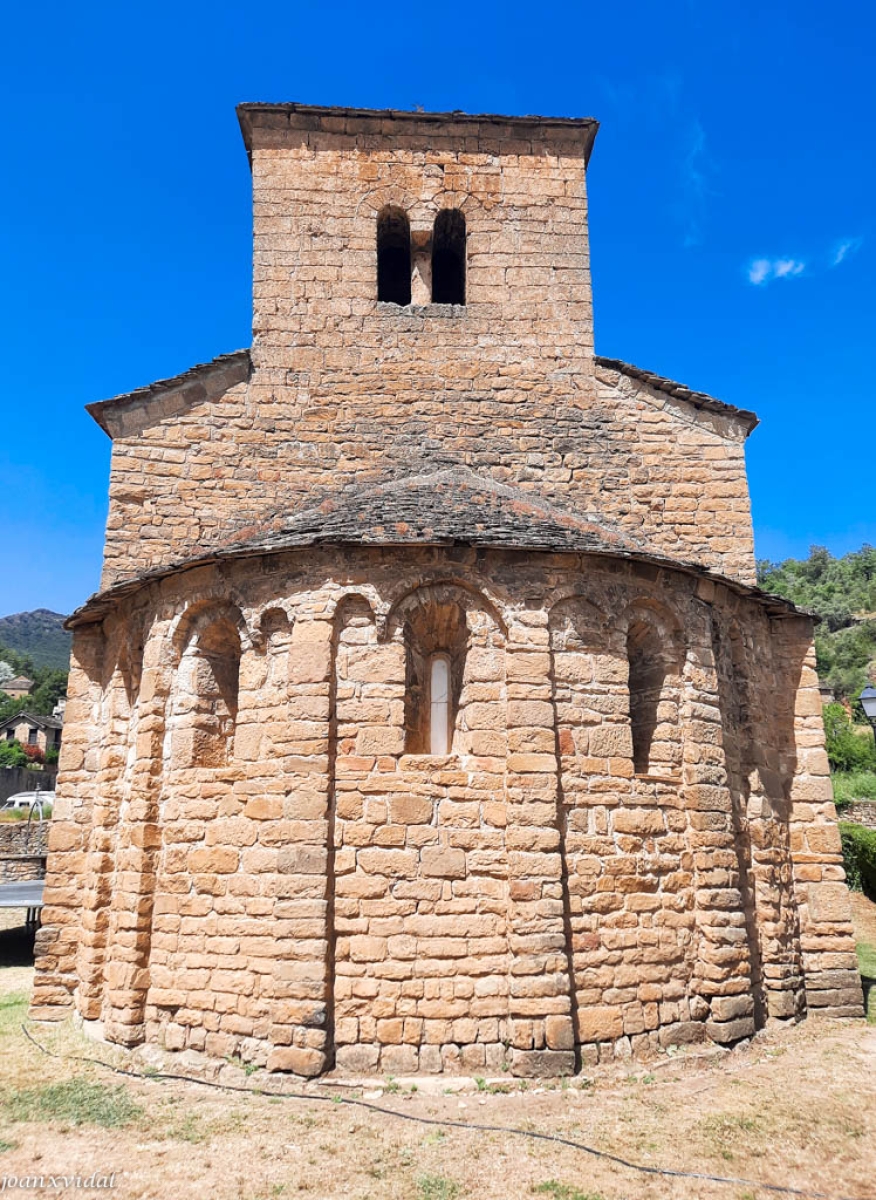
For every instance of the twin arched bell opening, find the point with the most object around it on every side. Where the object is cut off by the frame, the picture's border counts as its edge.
(395, 257)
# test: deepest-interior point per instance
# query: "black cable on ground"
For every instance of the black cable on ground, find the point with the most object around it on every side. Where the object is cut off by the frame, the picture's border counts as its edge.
(667, 1172)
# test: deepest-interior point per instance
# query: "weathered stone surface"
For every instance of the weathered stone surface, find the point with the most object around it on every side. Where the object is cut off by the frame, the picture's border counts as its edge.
(601, 1023)
(297, 1059)
(625, 839)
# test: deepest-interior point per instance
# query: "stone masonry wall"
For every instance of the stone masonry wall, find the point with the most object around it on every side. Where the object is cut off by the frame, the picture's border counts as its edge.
(346, 391)
(862, 812)
(22, 851)
(319, 894)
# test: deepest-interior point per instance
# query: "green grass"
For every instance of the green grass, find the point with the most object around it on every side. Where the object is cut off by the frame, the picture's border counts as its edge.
(493, 1088)
(73, 1102)
(187, 1128)
(725, 1124)
(867, 959)
(4, 1146)
(437, 1187)
(564, 1191)
(13, 1010)
(849, 786)
(867, 967)
(729, 1135)
(20, 814)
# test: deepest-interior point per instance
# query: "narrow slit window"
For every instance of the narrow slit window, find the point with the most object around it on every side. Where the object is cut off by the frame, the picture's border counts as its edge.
(654, 713)
(448, 258)
(439, 704)
(393, 257)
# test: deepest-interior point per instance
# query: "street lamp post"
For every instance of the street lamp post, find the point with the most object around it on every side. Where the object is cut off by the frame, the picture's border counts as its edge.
(868, 703)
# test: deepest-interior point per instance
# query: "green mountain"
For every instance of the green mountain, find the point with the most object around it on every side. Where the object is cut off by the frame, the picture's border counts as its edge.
(40, 636)
(842, 591)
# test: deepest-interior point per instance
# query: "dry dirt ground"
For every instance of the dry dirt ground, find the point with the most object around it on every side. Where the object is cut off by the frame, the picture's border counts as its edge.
(796, 1108)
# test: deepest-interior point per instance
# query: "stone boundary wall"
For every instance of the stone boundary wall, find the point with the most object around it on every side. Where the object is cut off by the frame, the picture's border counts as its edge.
(22, 868)
(23, 857)
(862, 812)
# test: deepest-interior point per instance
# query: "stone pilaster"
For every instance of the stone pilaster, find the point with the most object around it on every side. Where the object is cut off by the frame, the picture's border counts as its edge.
(540, 1002)
(721, 987)
(116, 731)
(830, 966)
(129, 939)
(295, 827)
(58, 938)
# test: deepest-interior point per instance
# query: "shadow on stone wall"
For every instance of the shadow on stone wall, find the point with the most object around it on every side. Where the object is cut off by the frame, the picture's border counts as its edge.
(761, 761)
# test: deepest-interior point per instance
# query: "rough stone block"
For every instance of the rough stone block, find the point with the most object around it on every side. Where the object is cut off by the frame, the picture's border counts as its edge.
(542, 1064)
(599, 1023)
(442, 862)
(297, 1060)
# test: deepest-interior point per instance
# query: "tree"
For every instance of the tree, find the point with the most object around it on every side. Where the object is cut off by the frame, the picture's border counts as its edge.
(48, 689)
(49, 685)
(842, 592)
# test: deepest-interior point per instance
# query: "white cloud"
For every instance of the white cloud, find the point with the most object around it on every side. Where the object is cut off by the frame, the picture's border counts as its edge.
(846, 248)
(694, 169)
(765, 270)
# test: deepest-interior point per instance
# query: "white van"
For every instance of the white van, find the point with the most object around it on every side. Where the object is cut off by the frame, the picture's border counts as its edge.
(26, 799)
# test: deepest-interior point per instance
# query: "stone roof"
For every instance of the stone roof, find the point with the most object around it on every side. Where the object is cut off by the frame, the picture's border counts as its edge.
(387, 121)
(188, 387)
(679, 390)
(19, 681)
(448, 507)
(34, 719)
(438, 508)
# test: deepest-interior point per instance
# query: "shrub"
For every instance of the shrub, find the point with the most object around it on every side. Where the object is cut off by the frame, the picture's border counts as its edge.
(35, 754)
(859, 857)
(12, 754)
(847, 749)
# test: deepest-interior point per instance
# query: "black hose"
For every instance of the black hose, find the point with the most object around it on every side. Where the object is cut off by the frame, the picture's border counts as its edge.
(667, 1172)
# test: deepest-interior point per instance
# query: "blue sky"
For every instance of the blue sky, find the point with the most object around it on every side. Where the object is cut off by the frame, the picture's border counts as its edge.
(731, 192)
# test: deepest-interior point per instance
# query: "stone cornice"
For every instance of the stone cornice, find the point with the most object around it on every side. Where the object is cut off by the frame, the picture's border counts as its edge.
(310, 119)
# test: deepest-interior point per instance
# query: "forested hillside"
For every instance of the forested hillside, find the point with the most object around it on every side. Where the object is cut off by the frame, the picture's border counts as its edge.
(40, 635)
(49, 684)
(842, 591)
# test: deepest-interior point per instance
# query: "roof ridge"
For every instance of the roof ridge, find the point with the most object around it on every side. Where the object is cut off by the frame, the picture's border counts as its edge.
(679, 390)
(101, 409)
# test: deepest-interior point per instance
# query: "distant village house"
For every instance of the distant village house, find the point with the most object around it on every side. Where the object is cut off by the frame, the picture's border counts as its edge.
(18, 687)
(32, 730)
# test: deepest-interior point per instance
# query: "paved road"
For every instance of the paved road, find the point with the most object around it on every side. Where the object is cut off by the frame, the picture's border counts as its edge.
(22, 895)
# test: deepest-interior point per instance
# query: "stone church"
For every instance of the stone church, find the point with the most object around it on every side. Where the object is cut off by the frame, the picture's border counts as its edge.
(429, 717)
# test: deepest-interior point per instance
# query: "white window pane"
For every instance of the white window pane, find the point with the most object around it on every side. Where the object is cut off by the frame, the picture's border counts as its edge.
(439, 692)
